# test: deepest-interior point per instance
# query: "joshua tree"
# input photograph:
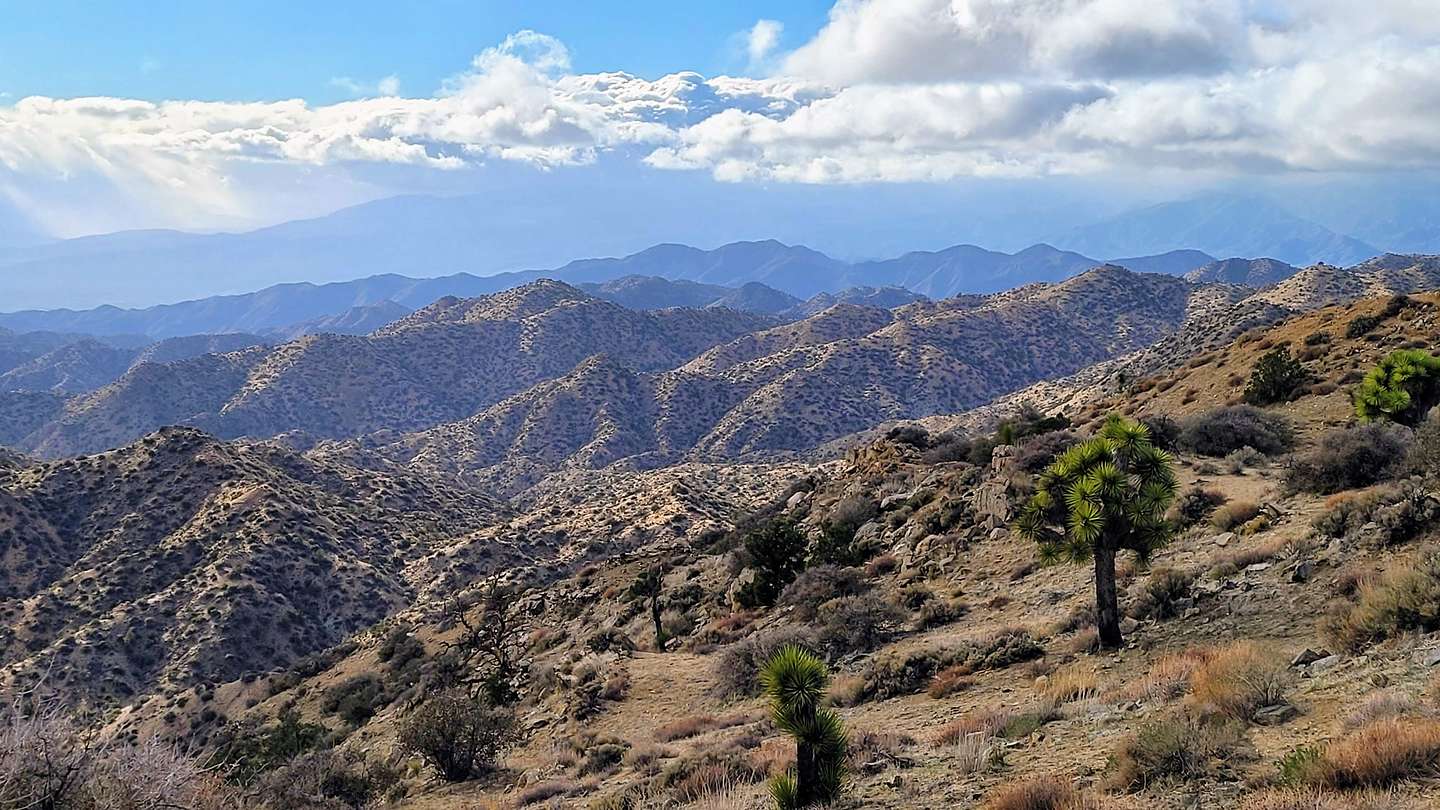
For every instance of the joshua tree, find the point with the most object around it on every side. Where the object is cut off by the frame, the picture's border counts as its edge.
(1401, 388)
(795, 682)
(1101, 496)
(650, 584)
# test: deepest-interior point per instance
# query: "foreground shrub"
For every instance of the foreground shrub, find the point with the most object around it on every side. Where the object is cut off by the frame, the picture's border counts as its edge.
(1224, 430)
(1233, 515)
(1195, 505)
(1238, 680)
(458, 736)
(1402, 388)
(1180, 747)
(820, 584)
(1387, 514)
(1162, 595)
(1351, 458)
(856, 623)
(1405, 599)
(327, 779)
(904, 672)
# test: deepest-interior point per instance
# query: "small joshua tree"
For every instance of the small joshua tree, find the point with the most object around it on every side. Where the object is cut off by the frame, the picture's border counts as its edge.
(1402, 388)
(650, 584)
(795, 682)
(1101, 496)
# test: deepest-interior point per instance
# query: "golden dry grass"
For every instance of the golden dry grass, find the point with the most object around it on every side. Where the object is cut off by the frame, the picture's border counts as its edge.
(1238, 680)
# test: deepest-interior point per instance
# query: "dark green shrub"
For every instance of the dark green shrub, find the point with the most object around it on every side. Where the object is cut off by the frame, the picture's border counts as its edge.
(1362, 325)
(1277, 377)
(1195, 505)
(777, 555)
(737, 669)
(458, 736)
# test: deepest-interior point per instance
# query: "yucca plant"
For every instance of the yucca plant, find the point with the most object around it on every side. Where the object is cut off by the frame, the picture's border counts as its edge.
(795, 681)
(1097, 498)
(1402, 388)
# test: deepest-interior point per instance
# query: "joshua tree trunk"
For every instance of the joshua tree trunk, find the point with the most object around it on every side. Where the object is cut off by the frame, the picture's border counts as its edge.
(807, 774)
(659, 631)
(1107, 606)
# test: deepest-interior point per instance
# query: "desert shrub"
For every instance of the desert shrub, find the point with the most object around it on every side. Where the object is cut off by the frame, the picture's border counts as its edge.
(1381, 754)
(1406, 599)
(1238, 680)
(820, 584)
(1231, 515)
(1402, 387)
(949, 681)
(937, 612)
(1236, 461)
(1071, 682)
(1387, 514)
(545, 791)
(1162, 594)
(1179, 747)
(948, 447)
(1317, 338)
(912, 435)
(881, 565)
(1036, 453)
(355, 699)
(1311, 798)
(1228, 563)
(1047, 792)
(322, 780)
(855, 623)
(1164, 431)
(903, 672)
(1362, 325)
(456, 735)
(1386, 704)
(1169, 677)
(737, 669)
(1226, 429)
(1425, 451)
(695, 725)
(1277, 377)
(1351, 458)
(777, 555)
(1194, 505)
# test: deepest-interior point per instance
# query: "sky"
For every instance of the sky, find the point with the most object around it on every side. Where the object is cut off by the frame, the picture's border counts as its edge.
(193, 116)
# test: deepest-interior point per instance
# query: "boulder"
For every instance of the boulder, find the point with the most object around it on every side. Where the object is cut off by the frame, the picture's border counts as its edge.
(1274, 715)
(1308, 657)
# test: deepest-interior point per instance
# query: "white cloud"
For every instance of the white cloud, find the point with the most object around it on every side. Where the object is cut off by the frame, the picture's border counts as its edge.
(888, 90)
(761, 41)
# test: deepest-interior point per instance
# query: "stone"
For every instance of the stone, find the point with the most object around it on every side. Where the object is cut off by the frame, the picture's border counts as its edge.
(797, 499)
(1275, 715)
(1257, 568)
(999, 533)
(1308, 656)
(894, 501)
(1128, 625)
(732, 594)
(1224, 539)
(1325, 664)
(1302, 571)
(1429, 658)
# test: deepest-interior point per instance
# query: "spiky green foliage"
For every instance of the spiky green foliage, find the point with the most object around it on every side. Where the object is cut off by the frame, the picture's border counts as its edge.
(1277, 377)
(795, 681)
(1402, 388)
(1097, 498)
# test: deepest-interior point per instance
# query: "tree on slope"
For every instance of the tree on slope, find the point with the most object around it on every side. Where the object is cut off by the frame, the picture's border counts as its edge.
(1099, 497)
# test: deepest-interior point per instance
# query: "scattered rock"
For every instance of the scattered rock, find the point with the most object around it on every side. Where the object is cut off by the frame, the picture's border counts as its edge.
(1224, 539)
(1308, 657)
(1429, 658)
(1128, 625)
(1256, 568)
(1275, 715)
(1325, 664)
(1302, 571)
(894, 501)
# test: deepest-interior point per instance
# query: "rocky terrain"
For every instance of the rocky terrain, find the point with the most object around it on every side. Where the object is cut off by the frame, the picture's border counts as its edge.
(87, 364)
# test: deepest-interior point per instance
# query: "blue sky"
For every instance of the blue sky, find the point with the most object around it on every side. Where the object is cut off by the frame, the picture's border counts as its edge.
(264, 49)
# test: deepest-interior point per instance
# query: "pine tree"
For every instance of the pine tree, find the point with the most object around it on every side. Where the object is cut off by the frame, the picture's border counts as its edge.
(795, 682)
(1098, 497)
(1402, 388)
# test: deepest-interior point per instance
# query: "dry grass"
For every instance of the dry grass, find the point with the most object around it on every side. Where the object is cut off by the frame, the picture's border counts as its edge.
(1238, 680)
(1052, 792)
(1231, 515)
(1168, 678)
(975, 753)
(950, 680)
(1070, 683)
(1381, 754)
(988, 722)
(1232, 562)
(1403, 600)
(1317, 799)
(1383, 705)
(695, 725)
(1179, 747)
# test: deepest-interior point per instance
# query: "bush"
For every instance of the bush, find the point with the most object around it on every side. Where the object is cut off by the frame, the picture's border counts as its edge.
(1388, 514)
(1362, 325)
(856, 623)
(458, 736)
(1180, 747)
(1407, 598)
(777, 555)
(904, 672)
(355, 699)
(1232, 515)
(1402, 388)
(1425, 452)
(1162, 595)
(1238, 680)
(1224, 430)
(1351, 458)
(1036, 453)
(1277, 377)
(1195, 505)
(1164, 431)
(737, 670)
(327, 779)
(1380, 755)
(821, 584)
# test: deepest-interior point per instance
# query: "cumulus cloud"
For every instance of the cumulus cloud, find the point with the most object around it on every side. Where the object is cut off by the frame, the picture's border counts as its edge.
(888, 90)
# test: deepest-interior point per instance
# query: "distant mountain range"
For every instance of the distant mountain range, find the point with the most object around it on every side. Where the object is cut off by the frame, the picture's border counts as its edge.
(487, 234)
(764, 277)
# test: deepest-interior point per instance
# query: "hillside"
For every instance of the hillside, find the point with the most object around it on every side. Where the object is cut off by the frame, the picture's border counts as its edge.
(181, 559)
(441, 363)
(794, 387)
(87, 364)
(1247, 272)
(964, 669)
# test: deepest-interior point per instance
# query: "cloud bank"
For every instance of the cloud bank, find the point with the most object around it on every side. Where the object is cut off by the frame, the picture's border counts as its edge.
(887, 91)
